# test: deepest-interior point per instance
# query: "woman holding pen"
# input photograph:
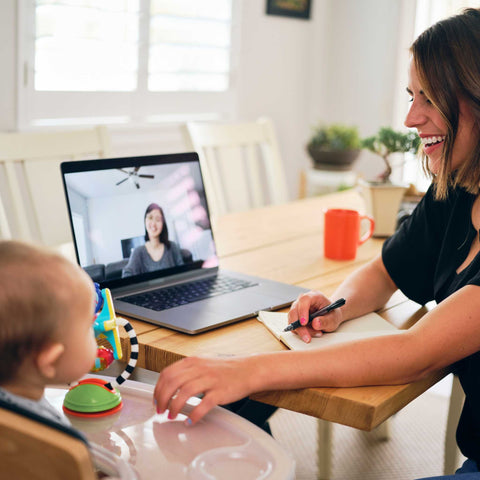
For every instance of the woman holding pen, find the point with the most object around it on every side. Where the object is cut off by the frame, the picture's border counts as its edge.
(433, 256)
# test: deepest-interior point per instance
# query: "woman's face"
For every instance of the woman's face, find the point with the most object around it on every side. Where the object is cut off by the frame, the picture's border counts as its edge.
(154, 223)
(432, 129)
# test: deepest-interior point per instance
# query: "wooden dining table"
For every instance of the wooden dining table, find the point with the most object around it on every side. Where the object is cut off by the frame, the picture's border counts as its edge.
(285, 243)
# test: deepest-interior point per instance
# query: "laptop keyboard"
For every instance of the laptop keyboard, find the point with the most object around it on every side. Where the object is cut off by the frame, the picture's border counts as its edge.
(170, 297)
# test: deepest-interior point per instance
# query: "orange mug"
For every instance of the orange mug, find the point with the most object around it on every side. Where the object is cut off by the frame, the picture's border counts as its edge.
(342, 233)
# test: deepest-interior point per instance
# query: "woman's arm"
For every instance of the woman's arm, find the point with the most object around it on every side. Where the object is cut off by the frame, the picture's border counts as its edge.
(365, 290)
(134, 263)
(445, 335)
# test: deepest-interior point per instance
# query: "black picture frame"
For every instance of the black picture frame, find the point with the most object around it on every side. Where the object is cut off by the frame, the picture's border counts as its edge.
(289, 8)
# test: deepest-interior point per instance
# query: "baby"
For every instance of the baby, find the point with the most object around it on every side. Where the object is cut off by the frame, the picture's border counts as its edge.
(46, 332)
(46, 325)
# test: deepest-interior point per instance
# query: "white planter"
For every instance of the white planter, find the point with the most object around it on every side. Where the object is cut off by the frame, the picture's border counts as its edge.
(382, 203)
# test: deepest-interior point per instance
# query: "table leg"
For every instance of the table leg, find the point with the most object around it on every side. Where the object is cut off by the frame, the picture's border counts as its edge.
(324, 449)
(455, 408)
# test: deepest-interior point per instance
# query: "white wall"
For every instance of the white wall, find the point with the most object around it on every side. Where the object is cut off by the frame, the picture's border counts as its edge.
(354, 67)
(273, 78)
(338, 66)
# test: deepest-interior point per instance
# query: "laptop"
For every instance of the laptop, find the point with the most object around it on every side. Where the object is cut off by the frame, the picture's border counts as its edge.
(183, 288)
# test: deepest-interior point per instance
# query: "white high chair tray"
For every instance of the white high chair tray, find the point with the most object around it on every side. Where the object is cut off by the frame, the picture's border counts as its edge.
(221, 446)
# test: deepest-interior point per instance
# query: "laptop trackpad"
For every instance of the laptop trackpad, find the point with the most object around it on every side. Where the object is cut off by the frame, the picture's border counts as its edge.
(244, 302)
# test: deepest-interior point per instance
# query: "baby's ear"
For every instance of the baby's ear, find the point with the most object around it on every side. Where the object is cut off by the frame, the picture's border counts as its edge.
(47, 359)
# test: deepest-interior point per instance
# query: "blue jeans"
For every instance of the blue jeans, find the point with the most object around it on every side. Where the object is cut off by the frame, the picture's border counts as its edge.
(469, 471)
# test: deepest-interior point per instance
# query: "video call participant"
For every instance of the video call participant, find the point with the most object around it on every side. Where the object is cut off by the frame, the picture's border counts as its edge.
(158, 252)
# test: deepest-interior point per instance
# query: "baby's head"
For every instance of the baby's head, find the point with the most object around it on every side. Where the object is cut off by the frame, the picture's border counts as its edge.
(46, 318)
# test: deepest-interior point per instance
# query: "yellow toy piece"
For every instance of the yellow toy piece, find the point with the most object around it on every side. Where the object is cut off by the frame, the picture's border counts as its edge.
(105, 325)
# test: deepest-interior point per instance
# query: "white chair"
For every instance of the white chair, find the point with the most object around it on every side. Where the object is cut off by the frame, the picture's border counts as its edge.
(241, 164)
(32, 202)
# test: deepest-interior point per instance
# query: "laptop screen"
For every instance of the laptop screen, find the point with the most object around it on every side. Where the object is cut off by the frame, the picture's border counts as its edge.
(135, 219)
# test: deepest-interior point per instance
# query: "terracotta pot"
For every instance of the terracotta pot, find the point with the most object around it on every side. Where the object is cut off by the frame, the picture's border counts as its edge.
(332, 159)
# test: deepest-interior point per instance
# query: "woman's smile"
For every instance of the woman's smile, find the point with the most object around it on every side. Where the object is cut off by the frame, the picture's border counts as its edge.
(431, 143)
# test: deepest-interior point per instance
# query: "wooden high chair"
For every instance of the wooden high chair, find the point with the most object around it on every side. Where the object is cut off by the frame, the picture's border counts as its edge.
(32, 450)
(35, 448)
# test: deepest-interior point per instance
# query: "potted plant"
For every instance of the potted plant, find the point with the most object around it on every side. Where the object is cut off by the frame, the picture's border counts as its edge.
(334, 147)
(383, 197)
(388, 141)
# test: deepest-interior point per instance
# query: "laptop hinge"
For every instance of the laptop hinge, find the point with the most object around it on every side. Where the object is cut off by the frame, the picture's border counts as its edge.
(165, 281)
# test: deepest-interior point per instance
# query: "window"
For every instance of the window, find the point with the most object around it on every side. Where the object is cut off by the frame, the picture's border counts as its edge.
(122, 61)
(189, 45)
(431, 11)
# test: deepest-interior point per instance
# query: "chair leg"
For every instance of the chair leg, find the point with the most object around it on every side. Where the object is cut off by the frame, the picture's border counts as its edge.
(455, 408)
(324, 449)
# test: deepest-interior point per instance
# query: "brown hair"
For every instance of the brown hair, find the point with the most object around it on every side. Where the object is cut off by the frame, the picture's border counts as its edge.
(34, 298)
(447, 59)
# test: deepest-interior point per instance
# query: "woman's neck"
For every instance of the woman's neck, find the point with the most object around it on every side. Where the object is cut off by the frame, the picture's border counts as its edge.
(155, 249)
(155, 242)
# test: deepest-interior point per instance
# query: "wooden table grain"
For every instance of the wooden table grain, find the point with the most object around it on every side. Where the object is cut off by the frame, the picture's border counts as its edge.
(285, 243)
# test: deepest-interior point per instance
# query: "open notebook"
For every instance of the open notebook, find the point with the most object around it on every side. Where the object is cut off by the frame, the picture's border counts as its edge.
(369, 325)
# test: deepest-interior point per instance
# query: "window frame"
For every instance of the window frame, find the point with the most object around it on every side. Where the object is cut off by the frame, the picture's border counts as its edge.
(38, 109)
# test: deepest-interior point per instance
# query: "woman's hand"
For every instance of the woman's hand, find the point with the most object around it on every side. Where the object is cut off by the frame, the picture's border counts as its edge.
(220, 380)
(308, 303)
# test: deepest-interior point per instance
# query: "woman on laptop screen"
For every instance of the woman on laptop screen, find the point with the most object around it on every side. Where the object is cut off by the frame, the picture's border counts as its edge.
(158, 252)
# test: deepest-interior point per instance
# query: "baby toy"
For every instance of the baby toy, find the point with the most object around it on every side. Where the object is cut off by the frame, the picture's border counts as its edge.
(94, 397)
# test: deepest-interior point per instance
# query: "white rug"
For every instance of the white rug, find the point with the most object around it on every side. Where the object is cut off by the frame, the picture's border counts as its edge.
(414, 450)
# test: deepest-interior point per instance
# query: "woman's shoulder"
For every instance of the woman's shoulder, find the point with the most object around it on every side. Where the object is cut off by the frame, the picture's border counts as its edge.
(456, 198)
(174, 246)
(175, 252)
(139, 251)
(453, 195)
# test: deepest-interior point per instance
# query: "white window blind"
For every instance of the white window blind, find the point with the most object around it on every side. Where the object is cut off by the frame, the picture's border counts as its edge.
(189, 45)
(431, 11)
(86, 45)
(120, 61)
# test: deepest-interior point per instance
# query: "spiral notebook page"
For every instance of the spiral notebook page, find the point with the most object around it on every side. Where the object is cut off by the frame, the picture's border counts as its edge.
(369, 325)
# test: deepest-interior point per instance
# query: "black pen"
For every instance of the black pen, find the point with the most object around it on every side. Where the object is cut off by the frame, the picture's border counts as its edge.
(323, 311)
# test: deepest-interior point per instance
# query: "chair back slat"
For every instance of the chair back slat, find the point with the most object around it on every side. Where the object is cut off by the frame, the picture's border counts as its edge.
(241, 164)
(32, 201)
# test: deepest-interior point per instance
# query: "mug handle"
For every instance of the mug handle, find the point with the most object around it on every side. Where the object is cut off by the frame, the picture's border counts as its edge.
(369, 233)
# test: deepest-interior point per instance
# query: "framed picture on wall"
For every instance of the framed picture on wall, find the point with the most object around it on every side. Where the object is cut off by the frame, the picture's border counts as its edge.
(289, 8)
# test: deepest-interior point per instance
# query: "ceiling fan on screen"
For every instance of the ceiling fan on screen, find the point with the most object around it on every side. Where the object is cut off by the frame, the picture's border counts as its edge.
(133, 175)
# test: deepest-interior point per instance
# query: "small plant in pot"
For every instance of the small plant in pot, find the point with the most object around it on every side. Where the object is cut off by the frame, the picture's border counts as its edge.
(388, 141)
(383, 198)
(334, 147)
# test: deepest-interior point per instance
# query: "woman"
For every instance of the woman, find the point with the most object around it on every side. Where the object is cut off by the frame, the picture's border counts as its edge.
(432, 257)
(158, 252)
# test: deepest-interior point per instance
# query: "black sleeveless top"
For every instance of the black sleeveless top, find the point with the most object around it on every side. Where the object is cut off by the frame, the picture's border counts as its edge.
(422, 258)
